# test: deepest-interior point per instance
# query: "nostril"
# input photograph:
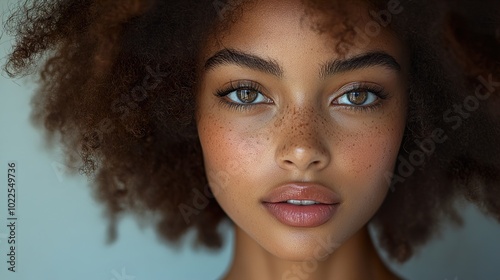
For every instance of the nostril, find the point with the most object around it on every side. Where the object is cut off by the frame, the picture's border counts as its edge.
(302, 165)
(303, 155)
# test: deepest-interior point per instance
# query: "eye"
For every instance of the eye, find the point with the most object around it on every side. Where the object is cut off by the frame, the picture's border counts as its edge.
(247, 96)
(242, 94)
(361, 97)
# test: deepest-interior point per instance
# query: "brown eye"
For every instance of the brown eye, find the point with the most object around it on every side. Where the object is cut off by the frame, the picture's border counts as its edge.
(247, 95)
(357, 97)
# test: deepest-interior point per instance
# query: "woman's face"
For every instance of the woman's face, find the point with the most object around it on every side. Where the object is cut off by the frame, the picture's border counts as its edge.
(283, 119)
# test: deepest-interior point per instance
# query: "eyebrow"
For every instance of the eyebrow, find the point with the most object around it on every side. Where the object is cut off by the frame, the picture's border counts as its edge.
(336, 66)
(231, 56)
(370, 59)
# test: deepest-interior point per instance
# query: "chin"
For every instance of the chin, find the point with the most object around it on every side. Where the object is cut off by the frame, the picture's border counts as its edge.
(303, 246)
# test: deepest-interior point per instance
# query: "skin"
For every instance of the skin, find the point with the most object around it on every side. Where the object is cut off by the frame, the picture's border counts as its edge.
(300, 133)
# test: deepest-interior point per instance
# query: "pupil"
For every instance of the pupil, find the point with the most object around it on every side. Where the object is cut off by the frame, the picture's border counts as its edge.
(358, 98)
(247, 95)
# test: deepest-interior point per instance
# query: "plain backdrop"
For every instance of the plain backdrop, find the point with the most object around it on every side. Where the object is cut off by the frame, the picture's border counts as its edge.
(61, 232)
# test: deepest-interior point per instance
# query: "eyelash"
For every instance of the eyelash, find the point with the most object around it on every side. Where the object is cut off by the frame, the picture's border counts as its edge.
(376, 90)
(238, 85)
(250, 85)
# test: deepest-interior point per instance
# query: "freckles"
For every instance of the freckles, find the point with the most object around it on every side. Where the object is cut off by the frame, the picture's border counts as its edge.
(366, 153)
(230, 148)
(278, 122)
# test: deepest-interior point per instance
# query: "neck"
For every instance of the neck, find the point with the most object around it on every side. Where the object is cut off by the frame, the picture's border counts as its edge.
(356, 259)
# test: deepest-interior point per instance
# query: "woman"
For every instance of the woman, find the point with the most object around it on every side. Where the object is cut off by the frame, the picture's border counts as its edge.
(294, 119)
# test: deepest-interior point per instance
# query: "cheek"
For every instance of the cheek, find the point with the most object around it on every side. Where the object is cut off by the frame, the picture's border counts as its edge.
(230, 155)
(372, 152)
(367, 160)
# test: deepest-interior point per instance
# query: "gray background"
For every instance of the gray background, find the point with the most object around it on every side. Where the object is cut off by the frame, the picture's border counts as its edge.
(61, 231)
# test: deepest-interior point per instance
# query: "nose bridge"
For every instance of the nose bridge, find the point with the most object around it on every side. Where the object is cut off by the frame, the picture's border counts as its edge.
(302, 143)
(301, 122)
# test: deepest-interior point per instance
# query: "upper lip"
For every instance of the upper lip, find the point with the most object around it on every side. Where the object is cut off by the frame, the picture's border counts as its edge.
(302, 191)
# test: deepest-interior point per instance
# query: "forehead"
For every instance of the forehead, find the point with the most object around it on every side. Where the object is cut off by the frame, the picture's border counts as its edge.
(272, 26)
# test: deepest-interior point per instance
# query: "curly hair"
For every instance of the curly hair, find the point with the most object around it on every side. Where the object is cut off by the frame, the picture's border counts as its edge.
(118, 82)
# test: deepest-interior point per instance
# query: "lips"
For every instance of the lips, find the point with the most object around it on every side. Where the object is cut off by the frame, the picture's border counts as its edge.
(302, 204)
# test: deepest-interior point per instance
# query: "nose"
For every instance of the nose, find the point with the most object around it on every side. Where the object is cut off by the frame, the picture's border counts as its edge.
(302, 144)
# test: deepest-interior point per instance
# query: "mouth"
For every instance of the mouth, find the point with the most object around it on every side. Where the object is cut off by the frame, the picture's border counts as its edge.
(302, 202)
(302, 205)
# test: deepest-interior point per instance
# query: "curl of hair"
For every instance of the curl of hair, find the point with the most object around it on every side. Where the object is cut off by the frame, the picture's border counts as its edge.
(118, 80)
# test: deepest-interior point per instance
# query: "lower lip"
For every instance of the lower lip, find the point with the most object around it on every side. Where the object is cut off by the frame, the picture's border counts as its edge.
(302, 215)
